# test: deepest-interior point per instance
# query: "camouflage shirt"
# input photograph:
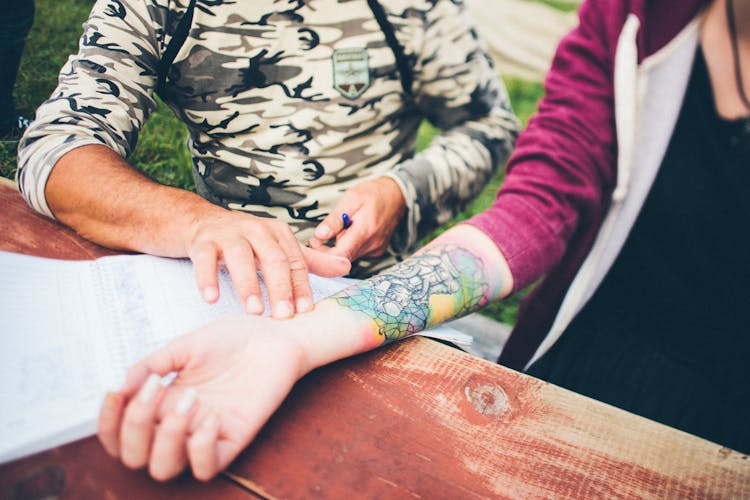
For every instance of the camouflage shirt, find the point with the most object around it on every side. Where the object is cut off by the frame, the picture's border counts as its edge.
(288, 103)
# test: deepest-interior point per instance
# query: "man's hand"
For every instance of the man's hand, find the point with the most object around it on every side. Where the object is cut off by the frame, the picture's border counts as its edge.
(375, 208)
(231, 377)
(239, 241)
(94, 190)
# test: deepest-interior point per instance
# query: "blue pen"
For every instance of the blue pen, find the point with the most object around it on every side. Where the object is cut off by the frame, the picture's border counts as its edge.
(346, 220)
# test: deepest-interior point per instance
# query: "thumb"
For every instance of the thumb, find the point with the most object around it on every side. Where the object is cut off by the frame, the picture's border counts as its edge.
(326, 264)
(330, 226)
(333, 223)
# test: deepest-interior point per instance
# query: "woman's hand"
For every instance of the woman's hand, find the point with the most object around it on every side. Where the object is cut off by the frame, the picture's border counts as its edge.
(231, 377)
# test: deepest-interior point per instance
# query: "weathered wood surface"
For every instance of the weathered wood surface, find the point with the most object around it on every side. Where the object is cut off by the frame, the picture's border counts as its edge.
(416, 419)
(82, 470)
(23, 231)
(422, 420)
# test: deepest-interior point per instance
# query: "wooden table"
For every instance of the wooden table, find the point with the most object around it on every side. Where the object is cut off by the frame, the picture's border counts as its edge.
(417, 419)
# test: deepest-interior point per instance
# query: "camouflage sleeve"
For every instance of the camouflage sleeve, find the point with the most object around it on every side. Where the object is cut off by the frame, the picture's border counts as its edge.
(458, 90)
(104, 93)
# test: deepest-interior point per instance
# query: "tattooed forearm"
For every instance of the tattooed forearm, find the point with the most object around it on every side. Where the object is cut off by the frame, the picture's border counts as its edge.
(444, 282)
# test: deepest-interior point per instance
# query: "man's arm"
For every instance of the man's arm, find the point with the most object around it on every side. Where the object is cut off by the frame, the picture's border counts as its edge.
(71, 167)
(199, 421)
(458, 90)
(94, 190)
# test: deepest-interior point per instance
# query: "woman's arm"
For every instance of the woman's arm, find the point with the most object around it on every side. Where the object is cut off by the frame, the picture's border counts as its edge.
(233, 374)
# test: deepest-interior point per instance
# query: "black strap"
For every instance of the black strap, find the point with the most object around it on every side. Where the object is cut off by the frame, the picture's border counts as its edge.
(175, 44)
(404, 68)
(183, 29)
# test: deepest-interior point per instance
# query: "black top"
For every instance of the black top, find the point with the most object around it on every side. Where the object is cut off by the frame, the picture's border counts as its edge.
(666, 335)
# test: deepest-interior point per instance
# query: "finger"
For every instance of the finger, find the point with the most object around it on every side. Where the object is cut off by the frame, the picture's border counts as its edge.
(352, 243)
(167, 359)
(226, 452)
(275, 265)
(331, 225)
(108, 428)
(316, 244)
(204, 258)
(202, 447)
(326, 264)
(303, 296)
(169, 453)
(138, 423)
(240, 261)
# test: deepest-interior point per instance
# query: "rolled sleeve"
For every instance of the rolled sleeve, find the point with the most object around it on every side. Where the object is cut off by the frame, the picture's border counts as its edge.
(104, 93)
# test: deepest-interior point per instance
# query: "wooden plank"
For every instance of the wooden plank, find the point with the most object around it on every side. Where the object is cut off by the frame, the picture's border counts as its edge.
(83, 470)
(24, 231)
(419, 420)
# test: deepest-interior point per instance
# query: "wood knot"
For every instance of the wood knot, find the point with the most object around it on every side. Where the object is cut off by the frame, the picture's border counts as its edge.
(487, 397)
(47, 482)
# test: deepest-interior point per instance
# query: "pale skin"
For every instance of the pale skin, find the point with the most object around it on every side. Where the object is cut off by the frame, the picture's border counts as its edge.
(233, 374)
(717, 48)
(97, 193)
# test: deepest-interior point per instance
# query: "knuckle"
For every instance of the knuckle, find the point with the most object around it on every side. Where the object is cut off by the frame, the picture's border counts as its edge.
(281, 226)
(277, 260)
(236, 247)
(171, 429)
(297, 263)
(139, 420)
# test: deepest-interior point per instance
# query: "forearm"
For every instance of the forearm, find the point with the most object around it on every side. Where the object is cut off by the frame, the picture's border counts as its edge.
(94, 190)
(458, 273)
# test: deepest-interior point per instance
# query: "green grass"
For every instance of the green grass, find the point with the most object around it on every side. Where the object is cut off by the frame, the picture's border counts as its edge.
(161, 151)
(563, 5)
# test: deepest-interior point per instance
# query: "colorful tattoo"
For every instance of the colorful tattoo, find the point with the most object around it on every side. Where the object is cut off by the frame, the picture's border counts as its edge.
(444, 282)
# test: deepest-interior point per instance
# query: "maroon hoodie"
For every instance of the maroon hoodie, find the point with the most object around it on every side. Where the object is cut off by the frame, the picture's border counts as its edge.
(560, 179)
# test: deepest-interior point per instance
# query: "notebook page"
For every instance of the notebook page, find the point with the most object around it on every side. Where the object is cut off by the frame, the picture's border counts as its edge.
(48, 376)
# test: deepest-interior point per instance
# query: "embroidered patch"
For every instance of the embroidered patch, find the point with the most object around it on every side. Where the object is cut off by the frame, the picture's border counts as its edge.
(351, 72)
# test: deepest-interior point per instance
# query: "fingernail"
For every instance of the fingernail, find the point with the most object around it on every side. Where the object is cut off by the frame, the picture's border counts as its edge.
(149, 389)
(210, 293)
(254, 305)
(187, 400)
(283, 309)
(323, 232)
(304, 304)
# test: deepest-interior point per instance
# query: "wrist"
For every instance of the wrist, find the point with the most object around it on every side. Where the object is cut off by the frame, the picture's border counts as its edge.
(331, 332)
(195, 214)
(394, 194)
